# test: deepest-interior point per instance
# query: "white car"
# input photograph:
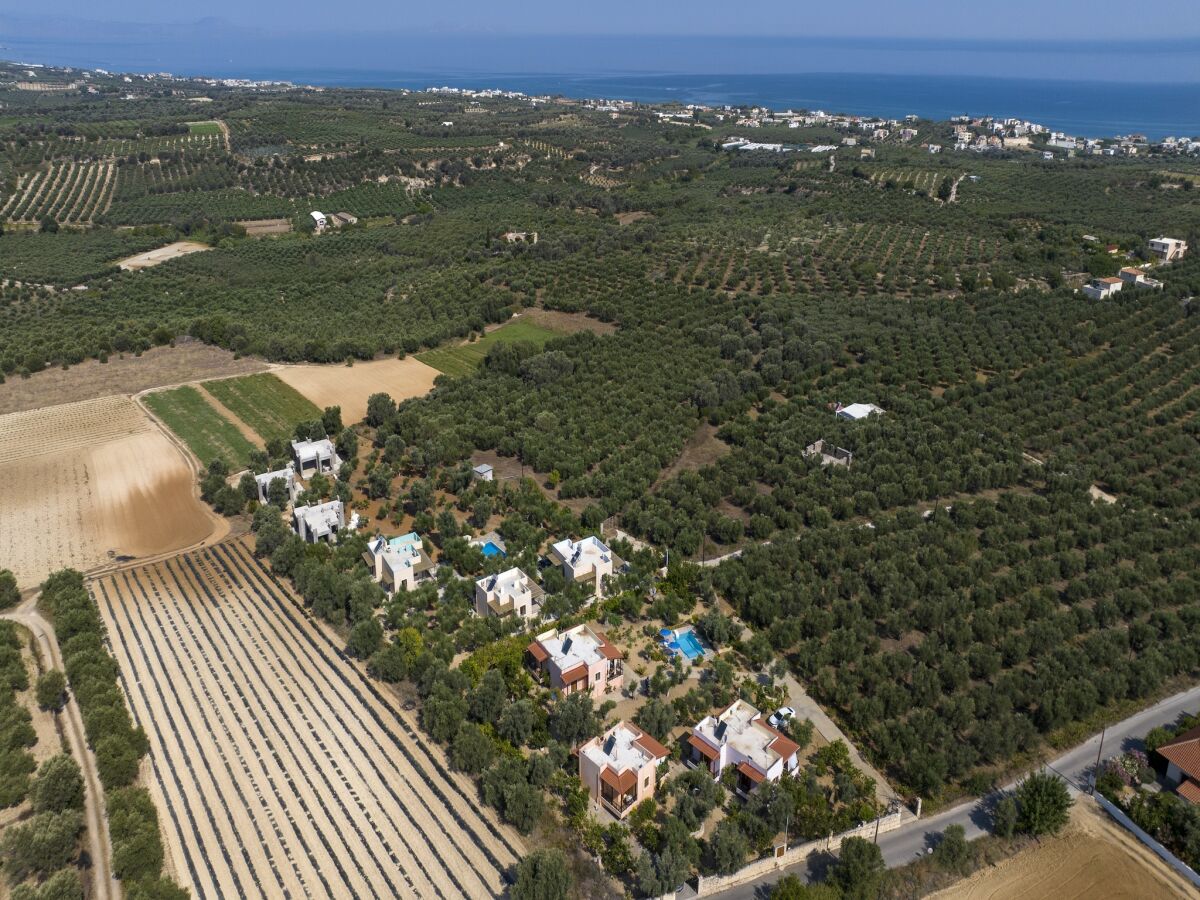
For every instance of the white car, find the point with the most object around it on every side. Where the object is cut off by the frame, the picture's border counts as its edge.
(781, 715)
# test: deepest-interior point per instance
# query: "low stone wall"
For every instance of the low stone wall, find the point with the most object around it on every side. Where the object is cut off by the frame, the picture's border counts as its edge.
(714, 884)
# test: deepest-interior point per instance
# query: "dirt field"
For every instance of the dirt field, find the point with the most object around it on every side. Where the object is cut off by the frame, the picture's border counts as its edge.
(260, 227)
(84, 482)
(161, 255)
(278, 769)
(189, 360)
(350, 386)
(1094, 857)
(564, 322)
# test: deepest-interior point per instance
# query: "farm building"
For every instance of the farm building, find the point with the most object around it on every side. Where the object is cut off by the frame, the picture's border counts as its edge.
(584, 561)
(1167, 249)
(320, 522)
(319, 456)
(579, 659)
(320, 220)
(483, 472)
(510, 592)
(620, 768)
(399, 562)
(856, 411)
(263, 483)
(739, 737)
(344, 218)
(828, 454)
(1100, 288)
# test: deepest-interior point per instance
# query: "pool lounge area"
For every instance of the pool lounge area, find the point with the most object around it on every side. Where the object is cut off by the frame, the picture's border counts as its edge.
(684, 641)
(490, 550)
(491, 545)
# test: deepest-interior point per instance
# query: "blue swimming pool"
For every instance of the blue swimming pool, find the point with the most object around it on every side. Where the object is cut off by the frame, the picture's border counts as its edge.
(490, 549)
(689, 644)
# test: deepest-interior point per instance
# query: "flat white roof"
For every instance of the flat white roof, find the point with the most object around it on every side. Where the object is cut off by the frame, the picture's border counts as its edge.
(617, 750)
(859, 410)
(578, 645)
(590, 549)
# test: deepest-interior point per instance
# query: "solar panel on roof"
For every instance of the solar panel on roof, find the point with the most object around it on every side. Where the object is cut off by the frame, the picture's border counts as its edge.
(721, 729)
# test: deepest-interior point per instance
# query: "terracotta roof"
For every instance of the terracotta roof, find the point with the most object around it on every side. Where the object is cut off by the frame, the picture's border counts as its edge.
(1184, 751)
(651, 746)
(574, 674)
(610, 650)
(1189, 791)
(702, 745)
(538, 652)
(750, 772)
(783, 745)
(1109, 280)
(622, 783)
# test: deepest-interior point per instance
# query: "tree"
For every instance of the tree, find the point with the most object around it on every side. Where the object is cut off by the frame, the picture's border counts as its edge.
(728, 847)
(380, 408)
(1004, 817)
(42, 845)
(517, 722)
(656, 717)
(52, 690)
(574, 719)
(953, 853)
(790, 887)
(248, 486)
(471, 750)
(277, 493)
(365, 638)
(542, 875)
(62, 885)
(59, 785)
(331, 420)
(48, 225)
(859, 869)
(1043, 803)
(155, 889)
(10, 596)
(945, 189)
(488, 700)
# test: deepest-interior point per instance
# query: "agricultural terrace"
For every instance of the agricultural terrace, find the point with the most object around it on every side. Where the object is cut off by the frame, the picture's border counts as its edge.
(269, 406)
(207, 433)
(466, 358)
(307, 780)
(348, 387)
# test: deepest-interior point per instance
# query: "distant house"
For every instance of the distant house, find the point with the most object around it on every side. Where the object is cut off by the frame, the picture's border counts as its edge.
(1183, 764)
(1167, 249)
(344, 218)
(620, 768)
(828, 454)
(263, 482)
(866, 153)
(1100, 288)
(317, 456)
(588, 560)
(397, 563)
(739, 737)
(579, 659)
(320, 522)
(483, 472)
(320, 220)
(509, 593)
(1138, 278)
(856, 411)
(935, 148)
(514, 237)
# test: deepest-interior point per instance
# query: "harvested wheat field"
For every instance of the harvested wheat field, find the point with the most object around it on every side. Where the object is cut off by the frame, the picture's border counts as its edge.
(278, 769)
(161, 255)
(82, 483)
(350, 386)
(1093, 857)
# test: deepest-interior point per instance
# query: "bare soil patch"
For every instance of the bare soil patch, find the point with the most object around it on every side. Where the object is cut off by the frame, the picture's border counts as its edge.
(628, 218)
(350, 386)
(83, 484)
(1093, 857)
(702, 449)
(189, 360)
(565, 322)
(261, 227)
(161, 255)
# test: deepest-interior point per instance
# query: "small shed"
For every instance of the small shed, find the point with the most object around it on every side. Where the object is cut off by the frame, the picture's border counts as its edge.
(483, 472)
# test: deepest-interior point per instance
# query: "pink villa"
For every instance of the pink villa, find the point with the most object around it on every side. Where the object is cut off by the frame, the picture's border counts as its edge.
(578, 659)
(620, 768)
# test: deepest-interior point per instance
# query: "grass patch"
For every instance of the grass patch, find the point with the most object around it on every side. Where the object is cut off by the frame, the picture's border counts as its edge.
(207, 433)
(466, 358)
(203, 128)
(265, 403)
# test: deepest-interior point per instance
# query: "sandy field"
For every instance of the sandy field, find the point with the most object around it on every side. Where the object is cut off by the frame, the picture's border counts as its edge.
(188, 360)
(84, 483)
(350, 386)
(279, 769)
(161, 255)
(1093, 857)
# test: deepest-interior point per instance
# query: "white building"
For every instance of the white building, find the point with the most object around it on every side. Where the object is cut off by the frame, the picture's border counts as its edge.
(1138, 278)
(584, 561)
(739, 737)
(397, 563)
(319, 456)
(263, 482)
(1100, 288)
(320, 522)
(856, 411)
(320, 220)
(1167, 249)
(483, 472)
(509, 593)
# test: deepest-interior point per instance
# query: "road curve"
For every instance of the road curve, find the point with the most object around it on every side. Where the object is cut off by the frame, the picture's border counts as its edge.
(99, 841)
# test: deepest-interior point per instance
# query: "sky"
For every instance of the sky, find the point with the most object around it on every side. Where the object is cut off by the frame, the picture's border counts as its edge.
(1054, 20)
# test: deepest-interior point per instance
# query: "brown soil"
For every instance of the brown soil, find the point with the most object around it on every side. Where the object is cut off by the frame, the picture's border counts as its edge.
(85, 483)
(1093, 857)
(161, 255)
(628, 218)
(189, 360)
(567, 323)
(702, 449)
(260, 227)
(350, 386)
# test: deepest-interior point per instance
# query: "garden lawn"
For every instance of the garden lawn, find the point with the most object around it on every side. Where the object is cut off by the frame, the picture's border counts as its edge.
(207, 433)
(466, 358)
(265, 403)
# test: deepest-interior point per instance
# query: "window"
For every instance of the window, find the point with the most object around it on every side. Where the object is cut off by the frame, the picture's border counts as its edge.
(599, 676)
(646, 782)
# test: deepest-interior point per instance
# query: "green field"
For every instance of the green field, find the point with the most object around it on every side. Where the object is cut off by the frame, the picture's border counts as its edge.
(206, 432)
(203, 128)
(466, 358)
(265, 403)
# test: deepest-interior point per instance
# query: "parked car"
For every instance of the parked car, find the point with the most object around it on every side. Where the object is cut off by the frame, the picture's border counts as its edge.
(781, 715)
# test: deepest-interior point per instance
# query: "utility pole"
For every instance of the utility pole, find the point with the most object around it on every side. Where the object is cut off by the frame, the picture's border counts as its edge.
(1099, 750)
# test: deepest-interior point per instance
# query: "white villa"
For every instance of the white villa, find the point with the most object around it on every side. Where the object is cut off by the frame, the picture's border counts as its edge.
(857, 411)
(1167, 249)
(1100, 288)
(1138, 278)
(399, 562)
(584, 561)
(740, 737)
(320, 522)
(510, 592)
(263, 482)
(319, 456)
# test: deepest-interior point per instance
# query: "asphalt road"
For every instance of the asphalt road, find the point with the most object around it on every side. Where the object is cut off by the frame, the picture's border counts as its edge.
(914, 839)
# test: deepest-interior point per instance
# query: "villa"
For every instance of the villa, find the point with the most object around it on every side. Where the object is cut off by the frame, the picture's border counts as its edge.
(1167, 249)
(1138, 278)
(320, 522)
(1182, 754)
(620, 768)
(510, 592)
(319, 456)
(584, 561)
(263, 482)
(1101, 288)
(399, 562)
(857, 411)
(579, 659)
(740, 737)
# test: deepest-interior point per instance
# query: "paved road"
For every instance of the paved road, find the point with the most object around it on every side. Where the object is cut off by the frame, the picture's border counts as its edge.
(914, 839)
(99, 842)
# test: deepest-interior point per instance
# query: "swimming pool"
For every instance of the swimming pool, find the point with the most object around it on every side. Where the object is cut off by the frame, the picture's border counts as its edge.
(689, 644)
(490, 549)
